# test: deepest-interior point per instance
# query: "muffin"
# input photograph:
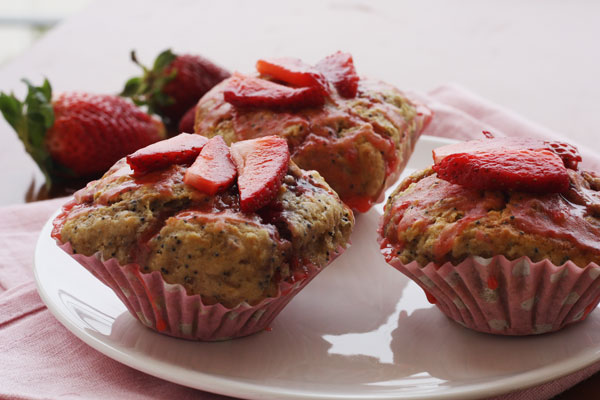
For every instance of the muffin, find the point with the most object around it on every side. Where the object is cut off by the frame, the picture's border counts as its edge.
(499, 253)
(358, 133)
(204, 266)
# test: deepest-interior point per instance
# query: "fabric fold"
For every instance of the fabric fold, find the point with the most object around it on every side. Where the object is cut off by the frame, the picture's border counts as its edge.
(19, 302)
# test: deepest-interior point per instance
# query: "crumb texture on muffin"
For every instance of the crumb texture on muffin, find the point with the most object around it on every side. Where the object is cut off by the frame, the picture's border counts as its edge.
(358, 145)
(205, 242)
(431, 220)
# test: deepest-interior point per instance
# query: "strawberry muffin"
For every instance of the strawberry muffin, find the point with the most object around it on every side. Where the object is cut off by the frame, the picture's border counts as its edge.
(356, 132)
(205, 242)
(501, 233)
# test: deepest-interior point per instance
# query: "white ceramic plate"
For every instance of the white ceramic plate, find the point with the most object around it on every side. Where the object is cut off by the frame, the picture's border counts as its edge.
(359, 330)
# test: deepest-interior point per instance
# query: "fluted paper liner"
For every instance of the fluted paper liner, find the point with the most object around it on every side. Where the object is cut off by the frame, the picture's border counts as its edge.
(500, 296)
(168, 309)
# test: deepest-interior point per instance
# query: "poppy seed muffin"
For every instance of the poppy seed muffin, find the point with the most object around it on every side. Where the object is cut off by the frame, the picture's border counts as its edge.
(431, 220)
(499, 260)
(204, 242)
(196, 265)
(359, 145)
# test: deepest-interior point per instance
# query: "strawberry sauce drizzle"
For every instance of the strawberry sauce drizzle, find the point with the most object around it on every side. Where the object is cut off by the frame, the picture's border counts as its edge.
(60, 220)
(554, 216)
(431, 192)
(316, 127)
(550, 215)
(492, 282)
(161, 325)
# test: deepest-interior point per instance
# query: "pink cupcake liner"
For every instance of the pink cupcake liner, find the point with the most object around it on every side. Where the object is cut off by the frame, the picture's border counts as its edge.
(168, 309)
(499, 296)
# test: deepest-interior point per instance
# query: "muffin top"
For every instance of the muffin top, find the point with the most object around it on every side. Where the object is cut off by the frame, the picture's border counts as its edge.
(358, 140)
(429, 219)
(207, 242)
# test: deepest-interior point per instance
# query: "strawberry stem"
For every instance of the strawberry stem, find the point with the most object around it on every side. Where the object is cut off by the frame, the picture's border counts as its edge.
(31, 119)
(147, 90)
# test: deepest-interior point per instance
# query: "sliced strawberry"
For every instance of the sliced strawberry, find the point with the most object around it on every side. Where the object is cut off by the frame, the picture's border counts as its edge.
(213, 171)
(245, 91)
(261, 165)
(293, 72)
(565, 151)
(569, 153)
(338, 68)
(181, 149)
(539, 171)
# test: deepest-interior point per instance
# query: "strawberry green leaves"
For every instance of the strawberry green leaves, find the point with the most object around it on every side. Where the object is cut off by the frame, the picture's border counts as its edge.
(148, 89)
(31, 119)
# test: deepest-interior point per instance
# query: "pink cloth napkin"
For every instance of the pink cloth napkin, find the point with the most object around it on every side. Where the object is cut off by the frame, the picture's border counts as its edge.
(40, 359)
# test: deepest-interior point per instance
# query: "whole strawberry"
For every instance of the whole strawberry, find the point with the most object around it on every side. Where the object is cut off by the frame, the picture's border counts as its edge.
(174, 84)
(77, 134)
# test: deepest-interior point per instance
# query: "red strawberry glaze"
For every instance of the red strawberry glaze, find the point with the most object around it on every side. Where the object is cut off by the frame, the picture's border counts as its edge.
(430, 298)
(118, 182)
(317, 130)
(251, 125)
(361, 204)
(220, 110)
(409, 211)
(161, 325)
(554, 216)
(549, 215)
(72, 208)
(492, 282)
(318, 136)
(588, 309)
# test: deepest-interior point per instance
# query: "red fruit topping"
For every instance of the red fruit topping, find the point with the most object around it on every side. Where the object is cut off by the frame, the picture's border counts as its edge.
(293, 72)
(261, 165)
(569, 153)
(492, 282)
(430, 298)
(244, 91)
(181, 149)
(213, 171)
(186, 123)
(565, 151)
(525, 170)
(338, 68)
